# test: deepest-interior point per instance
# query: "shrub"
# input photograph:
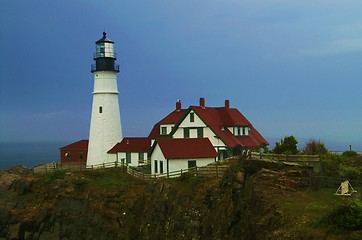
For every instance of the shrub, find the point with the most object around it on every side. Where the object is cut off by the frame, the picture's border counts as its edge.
(341, 166)
(350, 153)
(57, 174)
(288, 145)
(331, 165)
(345, 217)
(314, 147)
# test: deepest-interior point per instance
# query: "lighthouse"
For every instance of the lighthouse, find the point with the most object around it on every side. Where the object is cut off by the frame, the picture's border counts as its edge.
(105, 126)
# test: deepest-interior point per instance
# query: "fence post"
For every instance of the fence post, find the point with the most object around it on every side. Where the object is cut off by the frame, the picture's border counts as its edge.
(196, 171)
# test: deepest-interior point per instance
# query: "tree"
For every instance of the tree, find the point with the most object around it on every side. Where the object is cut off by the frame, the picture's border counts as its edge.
(314, 147)
(288, 145)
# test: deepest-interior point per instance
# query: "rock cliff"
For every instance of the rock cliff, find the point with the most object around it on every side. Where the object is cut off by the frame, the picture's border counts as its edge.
(87, 205)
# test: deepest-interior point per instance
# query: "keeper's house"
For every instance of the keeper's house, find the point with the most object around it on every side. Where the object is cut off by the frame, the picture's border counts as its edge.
(228, 130)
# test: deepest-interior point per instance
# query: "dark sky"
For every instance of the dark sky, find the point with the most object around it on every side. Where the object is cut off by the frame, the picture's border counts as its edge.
(291, 67)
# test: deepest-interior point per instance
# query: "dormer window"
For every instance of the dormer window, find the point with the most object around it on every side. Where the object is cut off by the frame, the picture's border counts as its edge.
(163, 130)
(237, 131)
(241, 131)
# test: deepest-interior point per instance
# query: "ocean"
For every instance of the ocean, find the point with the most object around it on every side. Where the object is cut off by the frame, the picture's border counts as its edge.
(29, 154)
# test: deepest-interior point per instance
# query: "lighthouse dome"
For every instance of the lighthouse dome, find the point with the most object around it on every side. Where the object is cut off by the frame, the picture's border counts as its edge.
(104, 39)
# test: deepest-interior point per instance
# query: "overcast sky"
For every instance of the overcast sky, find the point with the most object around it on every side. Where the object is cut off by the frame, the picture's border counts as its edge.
(291, 67)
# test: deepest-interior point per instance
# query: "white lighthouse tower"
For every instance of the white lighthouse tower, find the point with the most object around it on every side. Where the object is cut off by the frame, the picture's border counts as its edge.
(105, 126)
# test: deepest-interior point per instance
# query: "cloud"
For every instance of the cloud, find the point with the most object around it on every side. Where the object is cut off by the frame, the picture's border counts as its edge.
(333, 48)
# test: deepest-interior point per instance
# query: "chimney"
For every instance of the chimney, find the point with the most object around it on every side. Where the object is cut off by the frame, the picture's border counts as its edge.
(227, 104)
(178, 105)
(202, 102)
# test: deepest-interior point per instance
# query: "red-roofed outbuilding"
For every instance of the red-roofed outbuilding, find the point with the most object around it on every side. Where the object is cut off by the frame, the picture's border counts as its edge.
(74, 153)
(170, 154)
(131, 150)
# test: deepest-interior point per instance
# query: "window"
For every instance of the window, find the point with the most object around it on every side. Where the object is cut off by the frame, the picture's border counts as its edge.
(186, 133)
(141, 156)
(191, 163)
(161, 166)
(163, 130)
(100, 110)
(200, 132)
(192, 117)
(80, 156)
(237, 131)
(128, 157)
(156, 166)
(244, 131)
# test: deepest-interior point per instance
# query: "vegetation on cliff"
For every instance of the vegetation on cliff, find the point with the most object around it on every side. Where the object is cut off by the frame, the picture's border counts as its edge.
(253, 200)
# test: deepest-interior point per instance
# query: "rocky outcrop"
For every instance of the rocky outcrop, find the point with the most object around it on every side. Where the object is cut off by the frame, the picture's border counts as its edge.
(239, 206)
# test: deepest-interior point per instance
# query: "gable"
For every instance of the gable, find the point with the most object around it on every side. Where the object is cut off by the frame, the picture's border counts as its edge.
(168, 121)
(221, 121)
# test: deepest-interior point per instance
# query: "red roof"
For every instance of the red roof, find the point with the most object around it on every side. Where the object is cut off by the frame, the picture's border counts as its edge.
(132, 144)
(80, 145)
(172, 118)
(219, 118)
(181, 148)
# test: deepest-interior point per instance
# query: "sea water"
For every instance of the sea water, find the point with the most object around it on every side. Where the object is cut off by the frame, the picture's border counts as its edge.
(29, 154)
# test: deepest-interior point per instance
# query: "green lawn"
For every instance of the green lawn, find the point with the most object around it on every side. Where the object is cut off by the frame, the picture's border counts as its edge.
(307, 209)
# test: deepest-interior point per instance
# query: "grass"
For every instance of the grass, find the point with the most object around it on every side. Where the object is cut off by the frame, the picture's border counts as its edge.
(107, 179)
(58, 174)
(311, 206)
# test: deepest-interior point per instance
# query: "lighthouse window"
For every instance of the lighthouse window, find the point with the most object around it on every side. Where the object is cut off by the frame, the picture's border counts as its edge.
(100, 109)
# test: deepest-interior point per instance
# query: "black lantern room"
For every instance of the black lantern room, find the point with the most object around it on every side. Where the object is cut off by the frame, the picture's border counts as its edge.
(105, 56)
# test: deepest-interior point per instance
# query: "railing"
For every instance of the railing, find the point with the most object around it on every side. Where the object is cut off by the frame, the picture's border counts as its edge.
(206, 171)
(50, 167)
(286, 158)
(108, 68)
(340, 152)
(215, 171)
